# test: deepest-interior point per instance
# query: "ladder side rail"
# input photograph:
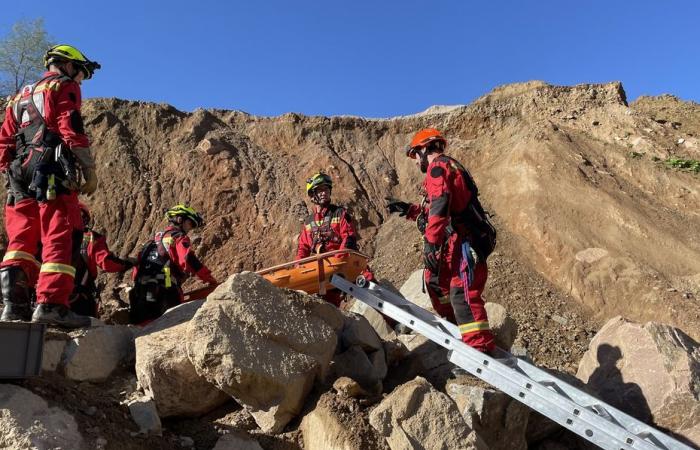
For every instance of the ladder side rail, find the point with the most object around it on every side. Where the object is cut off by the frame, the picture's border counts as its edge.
(509, 380)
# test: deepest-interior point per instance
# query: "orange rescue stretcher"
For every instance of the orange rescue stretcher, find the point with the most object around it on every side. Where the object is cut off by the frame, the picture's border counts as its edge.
(312, 274)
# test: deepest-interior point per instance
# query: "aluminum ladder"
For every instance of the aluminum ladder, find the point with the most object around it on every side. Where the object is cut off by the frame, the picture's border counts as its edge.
(575, 410)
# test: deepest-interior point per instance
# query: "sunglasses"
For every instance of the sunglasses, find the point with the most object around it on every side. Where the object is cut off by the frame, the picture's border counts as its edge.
(412, 151)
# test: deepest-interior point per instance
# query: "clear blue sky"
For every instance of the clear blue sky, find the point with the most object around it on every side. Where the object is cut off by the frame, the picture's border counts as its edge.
(370, 58)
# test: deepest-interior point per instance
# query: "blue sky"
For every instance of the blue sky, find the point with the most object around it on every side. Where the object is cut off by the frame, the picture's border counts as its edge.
(369, 58)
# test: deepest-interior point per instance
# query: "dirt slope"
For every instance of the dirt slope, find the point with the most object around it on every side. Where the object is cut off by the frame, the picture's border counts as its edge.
(568, 171)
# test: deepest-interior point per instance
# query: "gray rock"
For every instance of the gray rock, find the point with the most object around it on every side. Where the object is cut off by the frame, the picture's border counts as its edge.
(145, 415)
(650, 370)
(328, 428)
(27, 421)
(503, 326)
(412, 290)
(263, 345)
(358, 331)
(374, 318)
(415, 415)
(94, 353)
(500, 420)
(165, 372)
(354, 363)
(237, 441)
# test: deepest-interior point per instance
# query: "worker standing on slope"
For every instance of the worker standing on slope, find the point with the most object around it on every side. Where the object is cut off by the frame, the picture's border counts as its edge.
(457, 238)
(94, 253)
(329, 227)
(165, 262)
(43, 149)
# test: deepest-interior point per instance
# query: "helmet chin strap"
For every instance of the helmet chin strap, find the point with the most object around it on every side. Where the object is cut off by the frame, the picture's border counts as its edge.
(317, 200)
(423, 154)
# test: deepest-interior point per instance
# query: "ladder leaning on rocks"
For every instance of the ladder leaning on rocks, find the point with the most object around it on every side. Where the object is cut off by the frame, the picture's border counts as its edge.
(585, 415)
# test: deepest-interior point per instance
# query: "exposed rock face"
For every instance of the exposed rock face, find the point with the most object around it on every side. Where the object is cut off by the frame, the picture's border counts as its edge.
(415, 415)
(165, 372)
(649, 371)
(27, 422)
(332, 425)
(264, 346)
(500, 420)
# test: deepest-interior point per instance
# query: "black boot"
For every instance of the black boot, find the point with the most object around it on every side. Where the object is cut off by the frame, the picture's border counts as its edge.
(59, 316)
(16, 294)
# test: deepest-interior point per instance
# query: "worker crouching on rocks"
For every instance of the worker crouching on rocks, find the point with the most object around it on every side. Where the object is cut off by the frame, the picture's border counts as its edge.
(328, 228)
(165, 262)
(45, 154)
(93, 253)
(457, 238)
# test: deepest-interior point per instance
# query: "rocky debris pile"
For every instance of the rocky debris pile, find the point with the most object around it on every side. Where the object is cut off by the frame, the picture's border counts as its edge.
(234, 372)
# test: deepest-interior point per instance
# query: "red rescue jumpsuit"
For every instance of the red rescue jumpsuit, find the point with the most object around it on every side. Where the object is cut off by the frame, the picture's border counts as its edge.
(455, 291)
(56, 223)
(327, 229)
(94, 253)
(156, 291)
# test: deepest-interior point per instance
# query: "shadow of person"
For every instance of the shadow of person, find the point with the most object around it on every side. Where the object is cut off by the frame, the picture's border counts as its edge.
(609, 385)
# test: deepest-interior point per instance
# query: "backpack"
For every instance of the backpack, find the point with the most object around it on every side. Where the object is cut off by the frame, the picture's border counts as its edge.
(476, 218)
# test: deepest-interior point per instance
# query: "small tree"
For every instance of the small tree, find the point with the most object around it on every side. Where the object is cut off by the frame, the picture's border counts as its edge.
(22, 55)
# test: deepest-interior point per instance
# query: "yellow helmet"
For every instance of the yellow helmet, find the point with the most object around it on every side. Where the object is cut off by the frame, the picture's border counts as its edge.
(318, 179)
(187, 212)
(62, 53)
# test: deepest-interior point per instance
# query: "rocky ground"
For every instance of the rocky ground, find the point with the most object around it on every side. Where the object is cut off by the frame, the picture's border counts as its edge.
(595, 201)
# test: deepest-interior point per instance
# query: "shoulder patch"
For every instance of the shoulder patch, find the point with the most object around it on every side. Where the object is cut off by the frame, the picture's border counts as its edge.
(437, 172)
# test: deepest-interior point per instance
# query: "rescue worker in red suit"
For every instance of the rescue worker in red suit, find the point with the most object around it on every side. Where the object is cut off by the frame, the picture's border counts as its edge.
(164, 264)
(329, 228)
(455, 273)
(94, 253)
(45, 154)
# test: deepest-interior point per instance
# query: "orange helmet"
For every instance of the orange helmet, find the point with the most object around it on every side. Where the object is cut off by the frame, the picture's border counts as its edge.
(423, 138)
(85, 213)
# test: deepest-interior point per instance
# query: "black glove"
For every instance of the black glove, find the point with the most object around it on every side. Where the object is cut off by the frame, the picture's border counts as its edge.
(397, 206)
(431, 256)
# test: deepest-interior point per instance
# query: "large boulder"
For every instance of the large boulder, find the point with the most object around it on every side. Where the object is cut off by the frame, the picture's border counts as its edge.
(413, 291)
(94, 353)
(165, 372)
(649, 371)
(27, 422)
(263, 345)
(334, 425)
(417, 416)
(500, 420)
